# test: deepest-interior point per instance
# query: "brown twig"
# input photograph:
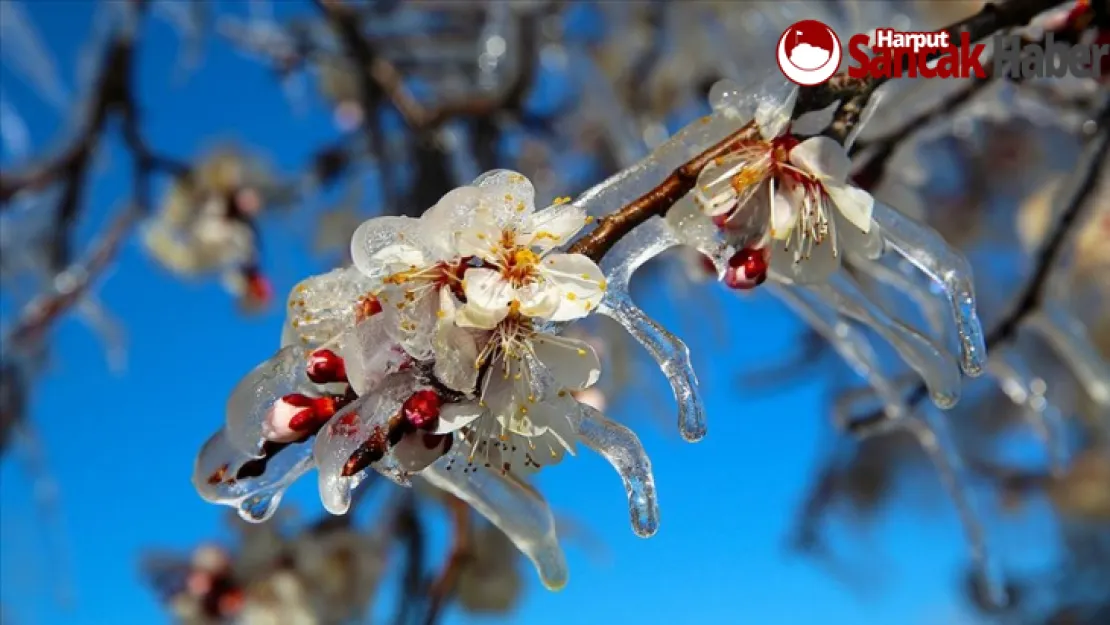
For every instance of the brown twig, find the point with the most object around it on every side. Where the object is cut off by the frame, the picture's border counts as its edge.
(443, 587)
(853, 95)
(659, 200)
(72, 284)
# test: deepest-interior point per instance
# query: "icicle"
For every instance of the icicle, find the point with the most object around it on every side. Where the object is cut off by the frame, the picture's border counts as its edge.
(620, 446)
(923, 297)
(513, 506)
(936, 368)
(1027, 390)
(257, 493)
(646, 241)
(851, 344)
(926, 249)
(359, 428)
(1068, 338)
(669, 352)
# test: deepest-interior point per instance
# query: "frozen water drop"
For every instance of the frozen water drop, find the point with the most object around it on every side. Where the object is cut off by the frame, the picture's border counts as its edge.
(622, 449)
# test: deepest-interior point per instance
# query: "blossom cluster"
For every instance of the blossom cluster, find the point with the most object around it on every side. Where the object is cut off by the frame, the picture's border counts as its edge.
(440, 352)
(443, 351)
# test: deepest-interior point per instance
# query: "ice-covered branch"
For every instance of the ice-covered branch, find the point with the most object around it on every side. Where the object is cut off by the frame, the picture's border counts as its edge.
(853, 95)
(1030, 299)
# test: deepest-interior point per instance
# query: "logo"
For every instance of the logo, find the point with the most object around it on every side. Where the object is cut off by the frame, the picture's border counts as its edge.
(894, 54)
(809, 53)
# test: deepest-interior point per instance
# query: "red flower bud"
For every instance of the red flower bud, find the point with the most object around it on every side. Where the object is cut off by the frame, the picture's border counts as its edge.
(421, 409)
(747, 269)
(325, 366)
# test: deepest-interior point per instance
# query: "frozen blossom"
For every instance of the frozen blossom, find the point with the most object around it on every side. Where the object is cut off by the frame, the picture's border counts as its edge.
(440, 354)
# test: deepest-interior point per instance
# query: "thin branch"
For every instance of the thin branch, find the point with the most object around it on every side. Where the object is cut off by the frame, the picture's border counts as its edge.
(72, 284)
(853, 95)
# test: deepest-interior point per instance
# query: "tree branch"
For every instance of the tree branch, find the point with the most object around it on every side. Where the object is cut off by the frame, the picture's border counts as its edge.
(1032, 294)
(853, 95)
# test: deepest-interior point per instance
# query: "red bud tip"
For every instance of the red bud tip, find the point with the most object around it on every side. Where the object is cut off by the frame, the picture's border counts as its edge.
(747, 269)
(325, 366)
(421, 409)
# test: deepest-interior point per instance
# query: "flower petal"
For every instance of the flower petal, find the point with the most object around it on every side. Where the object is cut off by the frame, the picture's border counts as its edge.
(411, 321)
(454, 417)
(558, 415)
(574, 364)
(385, 245)
(854, 204)
(417, 450)
(578, 280)
(552, 227)
(456, 352)
(454, 212)
(817, 268)
(538, 299)
(507, 198)
(784, 209)
(370, 354)
(822, 157)
(488, 296)
(481, 239)
(323, 306)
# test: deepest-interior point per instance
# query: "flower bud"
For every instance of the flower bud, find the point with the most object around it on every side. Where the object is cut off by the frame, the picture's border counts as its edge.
(747, 269)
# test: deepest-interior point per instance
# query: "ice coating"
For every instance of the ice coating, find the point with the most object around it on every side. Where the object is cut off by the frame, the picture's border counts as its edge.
(376, 235)
(693, 228)
(1025, 389)
(627, 185)
(931, 307)
(1068, 338)
(851, 344)
(250, 401)
(938, 370)
(622, 449)
(322, 306)
(254, 487)
(926, 249)
(669, 352)
(369, 354)
(513, 506)
(366, 417)
(646, 241)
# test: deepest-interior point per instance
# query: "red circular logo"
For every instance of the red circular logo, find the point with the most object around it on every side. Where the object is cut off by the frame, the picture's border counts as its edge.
(809, 53)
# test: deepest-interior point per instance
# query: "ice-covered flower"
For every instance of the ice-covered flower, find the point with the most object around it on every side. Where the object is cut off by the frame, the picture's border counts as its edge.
(520, 272)
(788, 194)
(439, 348)
(522, 417)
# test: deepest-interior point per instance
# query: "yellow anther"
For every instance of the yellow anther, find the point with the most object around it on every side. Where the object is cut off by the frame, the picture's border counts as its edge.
(589, 219)
(581, 352)
(572, 296)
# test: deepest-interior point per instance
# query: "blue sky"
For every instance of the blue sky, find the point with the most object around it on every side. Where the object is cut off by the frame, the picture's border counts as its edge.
(120, 445)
